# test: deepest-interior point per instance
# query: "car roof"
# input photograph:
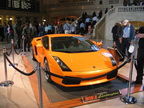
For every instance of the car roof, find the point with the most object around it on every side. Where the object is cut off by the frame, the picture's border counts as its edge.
(61, 35)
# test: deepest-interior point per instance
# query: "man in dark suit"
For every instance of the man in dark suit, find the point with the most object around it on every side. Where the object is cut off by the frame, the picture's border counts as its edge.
(116, 35)
(140, 56)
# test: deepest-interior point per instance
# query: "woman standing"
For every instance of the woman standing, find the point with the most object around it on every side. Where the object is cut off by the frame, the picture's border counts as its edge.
(10, 33)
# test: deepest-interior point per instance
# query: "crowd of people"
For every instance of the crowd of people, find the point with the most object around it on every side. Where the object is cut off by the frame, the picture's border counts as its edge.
(26, 31)
(86, 24)
(124, 35)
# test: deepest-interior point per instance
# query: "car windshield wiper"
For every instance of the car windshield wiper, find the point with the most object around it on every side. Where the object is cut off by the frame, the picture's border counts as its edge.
(79, 51)
(63, 51)
(75, 51)
(87, 50)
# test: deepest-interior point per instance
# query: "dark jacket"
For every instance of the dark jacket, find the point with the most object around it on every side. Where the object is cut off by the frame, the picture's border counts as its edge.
(116, 32)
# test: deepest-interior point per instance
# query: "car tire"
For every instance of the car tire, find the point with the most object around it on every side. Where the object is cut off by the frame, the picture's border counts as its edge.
(47, 75)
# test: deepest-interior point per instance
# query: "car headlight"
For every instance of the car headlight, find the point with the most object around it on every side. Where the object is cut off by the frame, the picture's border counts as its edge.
(62, 65)
(113, 61)
(111, 57)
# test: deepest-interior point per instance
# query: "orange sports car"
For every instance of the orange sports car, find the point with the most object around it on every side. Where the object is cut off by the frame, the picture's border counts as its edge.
(72, 60)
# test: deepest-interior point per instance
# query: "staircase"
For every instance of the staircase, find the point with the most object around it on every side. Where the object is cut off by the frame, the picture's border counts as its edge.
(102, 30)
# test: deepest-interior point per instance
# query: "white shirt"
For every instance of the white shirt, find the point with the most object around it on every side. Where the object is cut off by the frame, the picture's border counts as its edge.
(87, 20)
(73, 28)
(126, 32)
(46, 28)
(95, 18)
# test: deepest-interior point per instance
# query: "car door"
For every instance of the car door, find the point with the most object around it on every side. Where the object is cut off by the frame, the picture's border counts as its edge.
(42, 48)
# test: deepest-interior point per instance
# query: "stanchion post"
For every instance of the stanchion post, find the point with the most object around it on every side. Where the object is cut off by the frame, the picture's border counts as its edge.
(127, 98)
(6, 82)
(40, 86)
(12, 42)
(23, 53)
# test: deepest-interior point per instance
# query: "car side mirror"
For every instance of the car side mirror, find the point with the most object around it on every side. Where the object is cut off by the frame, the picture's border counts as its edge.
(99, 44)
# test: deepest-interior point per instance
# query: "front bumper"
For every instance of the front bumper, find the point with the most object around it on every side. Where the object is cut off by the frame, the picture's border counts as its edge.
(75, 80)
(69, 81)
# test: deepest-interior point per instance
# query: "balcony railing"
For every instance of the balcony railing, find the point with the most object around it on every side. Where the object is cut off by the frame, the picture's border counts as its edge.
(126, 9)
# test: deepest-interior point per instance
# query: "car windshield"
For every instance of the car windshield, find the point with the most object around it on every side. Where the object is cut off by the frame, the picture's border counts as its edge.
(72, 44)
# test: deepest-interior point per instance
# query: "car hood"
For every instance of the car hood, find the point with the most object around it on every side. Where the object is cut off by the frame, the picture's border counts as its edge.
(85, 61)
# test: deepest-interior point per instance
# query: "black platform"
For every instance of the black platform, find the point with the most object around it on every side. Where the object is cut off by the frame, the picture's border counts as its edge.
(57, 93)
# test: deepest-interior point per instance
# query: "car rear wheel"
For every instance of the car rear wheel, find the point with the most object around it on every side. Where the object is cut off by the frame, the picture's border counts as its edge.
(47, 75)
